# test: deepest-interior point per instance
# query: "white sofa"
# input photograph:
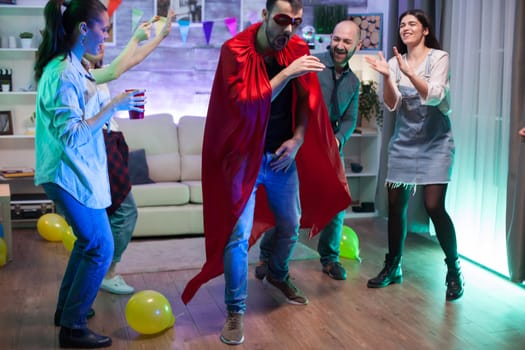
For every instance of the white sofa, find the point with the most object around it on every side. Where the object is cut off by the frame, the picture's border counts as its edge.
(172, 204)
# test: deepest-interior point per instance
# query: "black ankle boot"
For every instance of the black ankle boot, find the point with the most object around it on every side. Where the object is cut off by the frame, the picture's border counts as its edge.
(82, 339)
(454, 279)
(391, 273)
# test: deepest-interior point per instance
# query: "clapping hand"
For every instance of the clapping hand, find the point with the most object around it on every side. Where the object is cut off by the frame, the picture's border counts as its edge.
(403, 65)
(379, 64)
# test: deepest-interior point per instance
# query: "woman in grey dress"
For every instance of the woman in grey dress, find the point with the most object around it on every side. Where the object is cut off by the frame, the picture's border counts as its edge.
(421, 150)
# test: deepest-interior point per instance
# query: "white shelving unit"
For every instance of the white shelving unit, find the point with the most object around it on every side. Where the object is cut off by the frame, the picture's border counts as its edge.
(362, 149)
(17, 150)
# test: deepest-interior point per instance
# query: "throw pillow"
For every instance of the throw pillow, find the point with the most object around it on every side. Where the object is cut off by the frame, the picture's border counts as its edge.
(138, 168)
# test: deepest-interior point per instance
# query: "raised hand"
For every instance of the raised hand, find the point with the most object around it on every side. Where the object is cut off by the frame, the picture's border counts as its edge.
(403, 65)
(522, 134)
(143, 31)
(167, 25)
(379, 64)
(304, 64)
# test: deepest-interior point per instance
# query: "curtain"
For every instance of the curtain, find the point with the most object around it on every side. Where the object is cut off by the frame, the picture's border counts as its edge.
(481, 44)
(516, 183)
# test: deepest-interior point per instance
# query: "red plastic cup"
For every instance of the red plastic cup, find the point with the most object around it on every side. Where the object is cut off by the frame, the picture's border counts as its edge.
(136, 114)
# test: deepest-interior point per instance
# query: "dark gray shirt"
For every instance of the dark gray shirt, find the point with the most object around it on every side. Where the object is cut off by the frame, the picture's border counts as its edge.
(347, 97)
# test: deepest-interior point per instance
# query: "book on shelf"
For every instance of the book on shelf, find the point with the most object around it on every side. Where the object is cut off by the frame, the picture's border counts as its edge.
(17, 172)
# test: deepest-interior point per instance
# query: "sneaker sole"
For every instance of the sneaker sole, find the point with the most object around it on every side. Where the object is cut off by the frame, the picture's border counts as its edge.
(289, 301)
(116, 291)
(232, 342)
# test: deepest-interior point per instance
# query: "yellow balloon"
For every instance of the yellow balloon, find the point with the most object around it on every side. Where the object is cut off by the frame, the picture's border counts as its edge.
(3, 252)
(51, 227)
(68, 238)
(149, 312)
(349, 247)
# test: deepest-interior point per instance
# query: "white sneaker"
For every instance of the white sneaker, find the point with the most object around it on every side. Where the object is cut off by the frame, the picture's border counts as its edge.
(116, 285)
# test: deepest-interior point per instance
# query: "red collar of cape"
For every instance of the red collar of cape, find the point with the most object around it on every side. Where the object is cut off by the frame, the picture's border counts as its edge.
(233, 147)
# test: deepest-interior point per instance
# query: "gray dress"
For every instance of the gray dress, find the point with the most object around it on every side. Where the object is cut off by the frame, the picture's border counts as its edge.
(421, 150)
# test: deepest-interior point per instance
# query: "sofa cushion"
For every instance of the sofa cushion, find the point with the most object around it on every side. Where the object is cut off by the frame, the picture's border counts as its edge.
(195, 191)
(161, 194)
(169, 221)
(190, 132)
(157, 133)
(138, 167)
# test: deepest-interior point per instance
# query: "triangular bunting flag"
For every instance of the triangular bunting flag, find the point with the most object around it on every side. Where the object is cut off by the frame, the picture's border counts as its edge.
(184, 27)
(112, 6)
(231, 23)
(136, 15)
(207, 26)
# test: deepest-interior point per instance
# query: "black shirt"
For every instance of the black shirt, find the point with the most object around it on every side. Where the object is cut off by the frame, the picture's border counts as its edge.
(280, 126)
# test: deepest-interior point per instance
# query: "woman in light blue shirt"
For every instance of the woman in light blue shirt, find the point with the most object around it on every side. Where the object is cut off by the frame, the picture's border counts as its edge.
(71, 156)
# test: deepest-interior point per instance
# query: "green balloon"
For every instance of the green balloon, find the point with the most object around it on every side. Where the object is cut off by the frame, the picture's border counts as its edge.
(349, 244)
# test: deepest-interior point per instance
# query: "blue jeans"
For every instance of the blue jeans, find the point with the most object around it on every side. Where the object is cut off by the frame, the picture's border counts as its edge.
(329, 239)
(329, 244)
(89, 260)
(122, 223)
(282, 189)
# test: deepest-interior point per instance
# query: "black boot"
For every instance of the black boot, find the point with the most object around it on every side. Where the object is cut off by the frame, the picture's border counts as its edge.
(454, 280)
(82, 339)
(391, 273)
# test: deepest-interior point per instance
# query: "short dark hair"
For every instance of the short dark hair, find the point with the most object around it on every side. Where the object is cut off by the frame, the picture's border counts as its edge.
(296, 4)
(430, 40)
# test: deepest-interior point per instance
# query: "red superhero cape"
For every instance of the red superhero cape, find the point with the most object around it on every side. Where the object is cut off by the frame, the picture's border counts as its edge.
(233, 147)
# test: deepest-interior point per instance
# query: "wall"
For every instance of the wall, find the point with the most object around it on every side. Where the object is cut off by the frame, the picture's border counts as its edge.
(178, 76)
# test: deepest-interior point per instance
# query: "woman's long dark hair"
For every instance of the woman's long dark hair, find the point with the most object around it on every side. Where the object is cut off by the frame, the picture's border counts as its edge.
(60, 33)
(430, 39)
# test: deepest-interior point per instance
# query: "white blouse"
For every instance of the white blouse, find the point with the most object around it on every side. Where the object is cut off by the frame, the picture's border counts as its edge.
(438, 80)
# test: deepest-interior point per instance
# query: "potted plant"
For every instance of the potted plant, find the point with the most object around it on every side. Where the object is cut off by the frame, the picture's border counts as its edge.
(369, 104)
(26, 39)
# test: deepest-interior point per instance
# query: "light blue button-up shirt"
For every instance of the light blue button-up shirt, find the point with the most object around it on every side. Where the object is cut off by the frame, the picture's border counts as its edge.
(68, 152)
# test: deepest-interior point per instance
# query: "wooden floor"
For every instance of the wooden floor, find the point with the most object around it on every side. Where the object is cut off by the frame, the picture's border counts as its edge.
(341, 315)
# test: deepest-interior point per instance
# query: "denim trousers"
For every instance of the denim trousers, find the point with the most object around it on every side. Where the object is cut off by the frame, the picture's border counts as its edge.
(329, 243)
(89, 259)
(122, 222)
(282, 189)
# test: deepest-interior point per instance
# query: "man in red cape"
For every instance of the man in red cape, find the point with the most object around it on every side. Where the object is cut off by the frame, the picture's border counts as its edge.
(234, 145)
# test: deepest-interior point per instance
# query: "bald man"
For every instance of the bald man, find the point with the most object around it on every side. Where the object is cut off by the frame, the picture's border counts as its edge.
(340, 87)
